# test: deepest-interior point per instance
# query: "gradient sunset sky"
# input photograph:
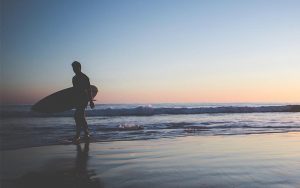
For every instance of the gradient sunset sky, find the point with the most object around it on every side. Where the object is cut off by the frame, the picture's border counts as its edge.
(151, 51)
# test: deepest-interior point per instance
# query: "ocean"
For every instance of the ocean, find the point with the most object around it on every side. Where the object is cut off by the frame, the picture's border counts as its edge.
(22, 128)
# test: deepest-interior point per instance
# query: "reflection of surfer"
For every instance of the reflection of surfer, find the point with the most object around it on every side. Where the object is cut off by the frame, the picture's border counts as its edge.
(81, 83)
(83, 176)
(82, 158)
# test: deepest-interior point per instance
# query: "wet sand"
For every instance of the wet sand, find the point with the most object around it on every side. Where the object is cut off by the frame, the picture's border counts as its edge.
(266, 160)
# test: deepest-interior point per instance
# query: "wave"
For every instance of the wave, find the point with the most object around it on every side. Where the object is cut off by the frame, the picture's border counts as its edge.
(192, 127)
(150, 111)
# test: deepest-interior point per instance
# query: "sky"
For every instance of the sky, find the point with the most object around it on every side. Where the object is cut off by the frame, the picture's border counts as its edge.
(153, 51)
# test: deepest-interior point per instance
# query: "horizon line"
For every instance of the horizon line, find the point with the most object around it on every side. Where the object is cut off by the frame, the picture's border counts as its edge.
(153, 103)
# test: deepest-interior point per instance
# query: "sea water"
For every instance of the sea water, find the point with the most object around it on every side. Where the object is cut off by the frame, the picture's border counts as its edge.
(20, 127)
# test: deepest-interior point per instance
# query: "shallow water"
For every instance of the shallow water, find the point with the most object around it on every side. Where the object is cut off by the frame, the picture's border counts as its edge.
(20, 127)
(20, 132)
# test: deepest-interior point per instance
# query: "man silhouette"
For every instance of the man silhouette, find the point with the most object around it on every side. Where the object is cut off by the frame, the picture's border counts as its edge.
(82, 86)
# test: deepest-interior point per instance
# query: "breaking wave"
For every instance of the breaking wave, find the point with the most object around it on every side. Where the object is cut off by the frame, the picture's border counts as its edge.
(150, 111)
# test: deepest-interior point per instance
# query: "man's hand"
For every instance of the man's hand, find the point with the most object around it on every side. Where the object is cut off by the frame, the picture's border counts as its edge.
(92, 105)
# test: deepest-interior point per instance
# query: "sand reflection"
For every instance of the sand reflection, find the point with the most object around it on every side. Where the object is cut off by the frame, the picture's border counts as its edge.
(63, 172)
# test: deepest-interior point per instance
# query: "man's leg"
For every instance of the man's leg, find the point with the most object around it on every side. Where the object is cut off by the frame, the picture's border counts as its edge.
(81, 122)
(84, 124)
(78, 122)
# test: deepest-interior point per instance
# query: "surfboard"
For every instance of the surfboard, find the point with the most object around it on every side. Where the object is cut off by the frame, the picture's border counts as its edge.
(59, 101)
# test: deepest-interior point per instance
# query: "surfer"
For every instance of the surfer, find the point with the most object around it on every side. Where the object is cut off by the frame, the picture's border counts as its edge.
(81, 83)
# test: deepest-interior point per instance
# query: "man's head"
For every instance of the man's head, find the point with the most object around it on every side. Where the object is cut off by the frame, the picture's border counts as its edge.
(76, 67)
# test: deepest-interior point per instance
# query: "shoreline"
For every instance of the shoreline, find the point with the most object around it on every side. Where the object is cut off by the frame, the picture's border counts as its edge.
(67, 142)
(268, 160)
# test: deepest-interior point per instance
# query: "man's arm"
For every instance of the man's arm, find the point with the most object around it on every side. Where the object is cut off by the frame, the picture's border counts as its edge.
(89, 94)
(73, 81)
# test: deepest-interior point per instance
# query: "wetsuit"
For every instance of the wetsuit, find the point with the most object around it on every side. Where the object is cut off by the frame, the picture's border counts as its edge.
(81, 83)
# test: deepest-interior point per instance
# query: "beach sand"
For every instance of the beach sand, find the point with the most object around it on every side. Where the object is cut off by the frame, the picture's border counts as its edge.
(265, 160)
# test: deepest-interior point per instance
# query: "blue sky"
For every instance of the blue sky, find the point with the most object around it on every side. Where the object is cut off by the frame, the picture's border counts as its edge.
(153, 51)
